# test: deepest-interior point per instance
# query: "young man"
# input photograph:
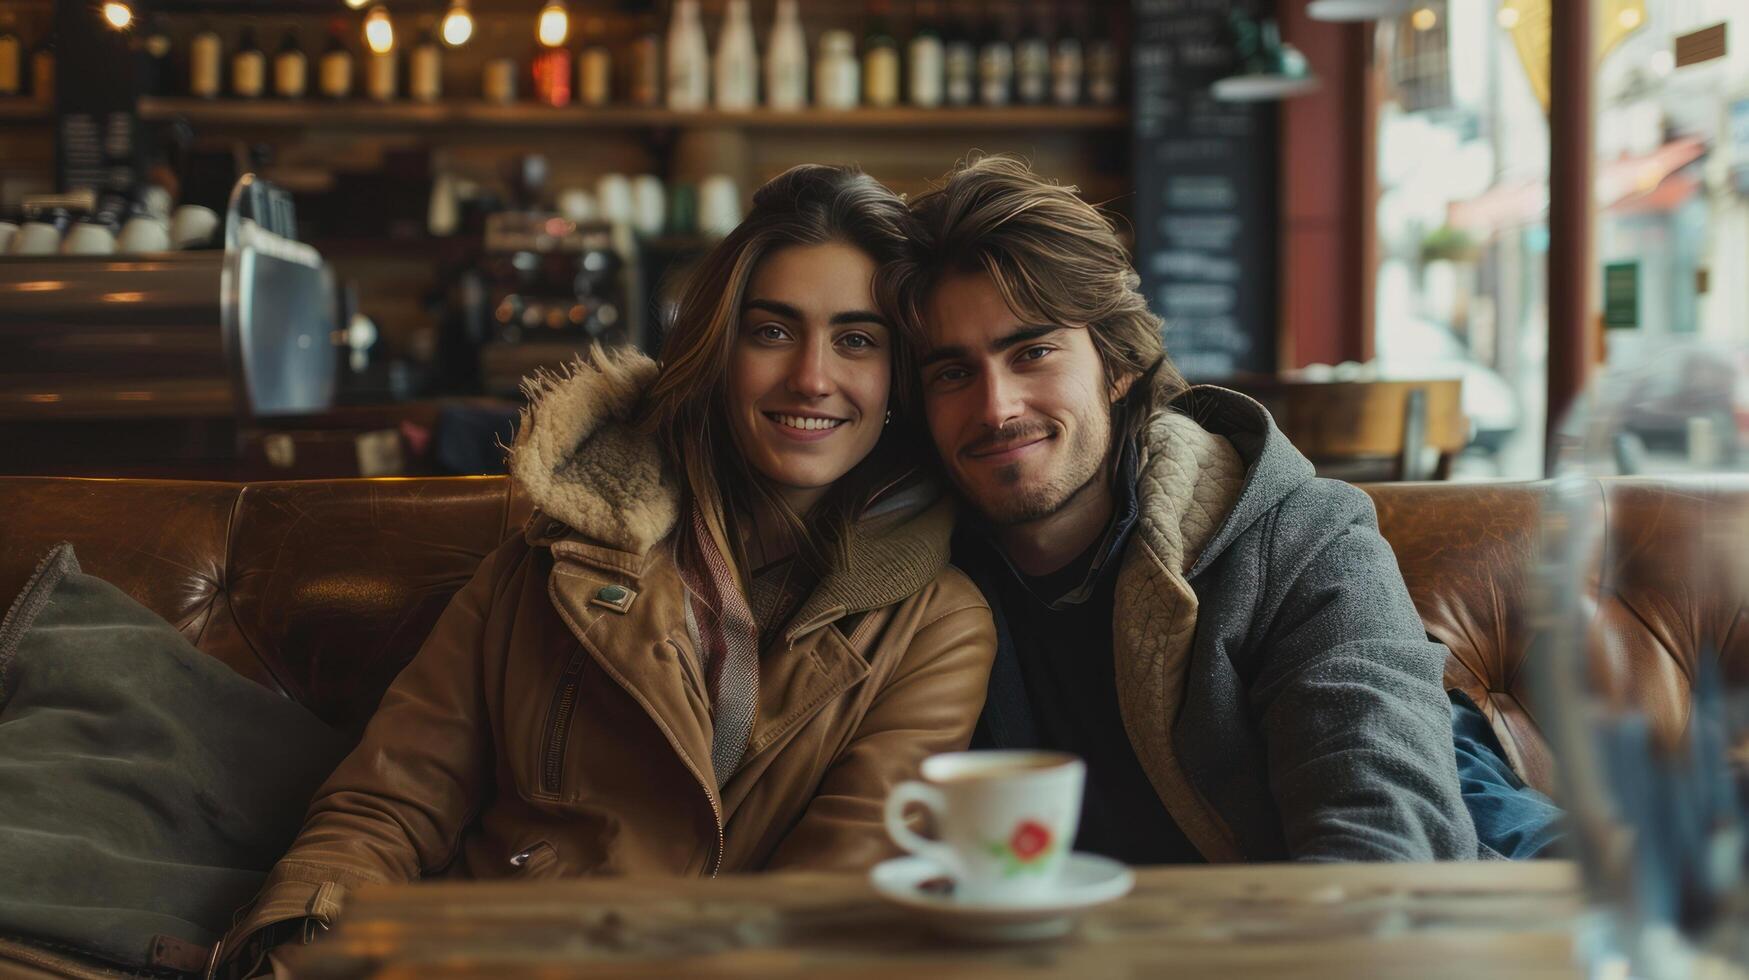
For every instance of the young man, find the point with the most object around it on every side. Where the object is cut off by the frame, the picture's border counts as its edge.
(1223, 637)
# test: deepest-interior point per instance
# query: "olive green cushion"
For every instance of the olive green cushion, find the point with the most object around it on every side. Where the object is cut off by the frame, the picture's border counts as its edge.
(145, 788)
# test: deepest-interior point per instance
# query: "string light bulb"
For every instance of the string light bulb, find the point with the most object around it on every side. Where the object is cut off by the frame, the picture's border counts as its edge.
(379, 33)
(458, 24)
(357, 4)
(118, 15)
(1424, 19)
(554, 24)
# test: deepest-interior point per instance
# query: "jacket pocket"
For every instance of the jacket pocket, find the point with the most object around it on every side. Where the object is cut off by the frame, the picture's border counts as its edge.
(538, 860)
(558, 726)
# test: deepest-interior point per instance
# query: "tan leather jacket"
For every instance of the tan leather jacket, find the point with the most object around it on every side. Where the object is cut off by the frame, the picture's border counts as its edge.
(555, 722)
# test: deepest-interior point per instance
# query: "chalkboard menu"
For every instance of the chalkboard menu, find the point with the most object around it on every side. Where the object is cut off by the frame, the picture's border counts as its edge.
(96, 123)
(1205, 191)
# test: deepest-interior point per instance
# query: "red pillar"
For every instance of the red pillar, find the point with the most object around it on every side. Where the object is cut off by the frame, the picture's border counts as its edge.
(1572, 337)
(1328, 196)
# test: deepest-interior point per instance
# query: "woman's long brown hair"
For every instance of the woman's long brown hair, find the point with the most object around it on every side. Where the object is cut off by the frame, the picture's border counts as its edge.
(686, 408)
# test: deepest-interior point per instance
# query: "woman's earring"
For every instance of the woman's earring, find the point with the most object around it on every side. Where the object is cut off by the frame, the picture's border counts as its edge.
(889, 420)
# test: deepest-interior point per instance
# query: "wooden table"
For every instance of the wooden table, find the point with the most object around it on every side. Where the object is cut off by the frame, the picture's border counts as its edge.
(1457, 920)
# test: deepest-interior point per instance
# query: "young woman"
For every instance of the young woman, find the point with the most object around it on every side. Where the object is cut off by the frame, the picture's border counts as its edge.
(728, 628)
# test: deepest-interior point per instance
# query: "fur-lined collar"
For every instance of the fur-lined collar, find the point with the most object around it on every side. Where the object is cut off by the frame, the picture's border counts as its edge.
(584, 465)
(581, 462)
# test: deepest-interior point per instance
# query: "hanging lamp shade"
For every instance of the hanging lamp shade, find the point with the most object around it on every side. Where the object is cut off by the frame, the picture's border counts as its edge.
(1269, 68)
(1350, 10)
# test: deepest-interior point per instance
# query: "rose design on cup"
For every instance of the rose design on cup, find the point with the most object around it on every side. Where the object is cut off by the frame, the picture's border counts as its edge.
(1025, 849)
(1005, 820)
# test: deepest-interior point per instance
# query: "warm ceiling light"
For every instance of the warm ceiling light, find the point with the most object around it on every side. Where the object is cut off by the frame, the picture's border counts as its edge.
(1424, 19)
(118, 15)
(1629, 18)
(458, 25)
(379, 33)
(1507, 17)
(554, 24)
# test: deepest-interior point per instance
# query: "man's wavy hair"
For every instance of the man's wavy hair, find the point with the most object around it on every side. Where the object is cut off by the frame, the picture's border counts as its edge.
(1053, 257)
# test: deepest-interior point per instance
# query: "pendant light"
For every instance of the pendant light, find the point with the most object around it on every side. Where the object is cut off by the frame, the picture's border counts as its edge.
(458, 24)
(379, 32)
(118, 14)
(554, 24)
(1351, 10)
(1269, 68)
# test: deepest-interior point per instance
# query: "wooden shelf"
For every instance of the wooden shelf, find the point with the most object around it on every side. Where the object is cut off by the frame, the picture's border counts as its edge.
(441, 115)
(23, 110)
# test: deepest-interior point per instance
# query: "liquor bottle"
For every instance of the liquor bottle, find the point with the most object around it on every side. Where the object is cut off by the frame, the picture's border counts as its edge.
(11, 56)
(594, 66)
(1068, 63)
(689, 59)
(959, 60)
(880, 57)
(42, 70)
(204, 53)
(786, 59)
(334, 70)
(996, 62)
(379, 74)
(155, 44)
(644, 66)
(1032, 57)
(923, 67)
(1102, 66)
(248, 66)
(737, 60)
(291, 70)
(836, 82)
(498, 80)
(552, 75)
(425, 68)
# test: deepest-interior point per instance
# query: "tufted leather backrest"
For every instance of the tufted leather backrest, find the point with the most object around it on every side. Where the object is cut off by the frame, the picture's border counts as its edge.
(324, 590)
(1666, 587)
(321, 590)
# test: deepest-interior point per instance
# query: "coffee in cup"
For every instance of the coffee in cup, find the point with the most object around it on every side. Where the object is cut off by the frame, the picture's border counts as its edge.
(1007, 820)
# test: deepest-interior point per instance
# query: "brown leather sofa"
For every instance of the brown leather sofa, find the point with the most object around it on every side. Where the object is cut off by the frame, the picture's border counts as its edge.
(323, 590)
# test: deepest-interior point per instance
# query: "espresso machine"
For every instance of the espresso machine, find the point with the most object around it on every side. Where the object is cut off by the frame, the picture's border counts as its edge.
(166, 354)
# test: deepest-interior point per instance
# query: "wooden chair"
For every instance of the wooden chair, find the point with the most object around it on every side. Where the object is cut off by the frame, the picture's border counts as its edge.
(1368, 430)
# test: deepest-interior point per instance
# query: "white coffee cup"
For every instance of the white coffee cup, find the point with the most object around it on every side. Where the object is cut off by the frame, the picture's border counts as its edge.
(1007, 820)
(36, 238)
(88, 238)
(613, 195)
(7, 230)
(649, 204)
(157, 202)
(192, 225)
(577, 204)
(143, 233)
(719, 205)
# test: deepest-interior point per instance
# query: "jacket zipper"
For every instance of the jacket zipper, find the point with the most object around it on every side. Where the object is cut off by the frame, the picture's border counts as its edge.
(559, 730)
(559, 724)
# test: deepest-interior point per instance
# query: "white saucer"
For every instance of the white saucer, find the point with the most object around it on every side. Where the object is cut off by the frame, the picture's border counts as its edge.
(1087, 880)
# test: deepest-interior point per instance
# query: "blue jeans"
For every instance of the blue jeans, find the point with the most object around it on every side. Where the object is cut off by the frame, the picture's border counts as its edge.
(1513, 819)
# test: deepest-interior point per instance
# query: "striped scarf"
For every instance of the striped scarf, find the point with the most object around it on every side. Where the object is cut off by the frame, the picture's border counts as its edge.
(726, 635)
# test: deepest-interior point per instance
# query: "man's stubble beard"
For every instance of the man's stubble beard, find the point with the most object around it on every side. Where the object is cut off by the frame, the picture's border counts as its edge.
(1024, 505)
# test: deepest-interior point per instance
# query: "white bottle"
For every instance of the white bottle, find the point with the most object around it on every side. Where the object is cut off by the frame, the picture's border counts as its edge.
(689, 60)
(425, 73)
(1067, 66)
(203, 64)
(379, 76)
(786, 59)
(837, 76)
(737, 61)
(925, 68)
